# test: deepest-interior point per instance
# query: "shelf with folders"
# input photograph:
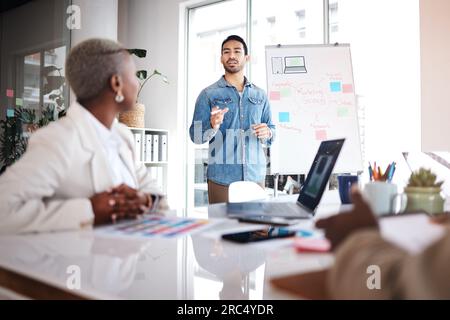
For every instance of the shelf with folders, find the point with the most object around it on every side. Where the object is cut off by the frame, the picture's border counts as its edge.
(152, 150)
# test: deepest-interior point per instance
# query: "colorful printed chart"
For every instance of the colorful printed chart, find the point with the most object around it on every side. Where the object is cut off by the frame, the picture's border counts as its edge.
(165, 227)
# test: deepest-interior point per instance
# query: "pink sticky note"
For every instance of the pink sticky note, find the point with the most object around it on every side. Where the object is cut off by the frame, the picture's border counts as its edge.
(347, 88)
(312, 245)
(9, 93)
(321, 135)
(274, 95)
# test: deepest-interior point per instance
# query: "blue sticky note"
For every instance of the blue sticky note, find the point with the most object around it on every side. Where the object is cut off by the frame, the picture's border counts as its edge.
(335, 87)
(10, 113)
(283, 117)
(304, 233)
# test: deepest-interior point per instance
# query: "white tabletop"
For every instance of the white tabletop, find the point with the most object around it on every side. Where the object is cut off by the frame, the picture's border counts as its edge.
(197, 266)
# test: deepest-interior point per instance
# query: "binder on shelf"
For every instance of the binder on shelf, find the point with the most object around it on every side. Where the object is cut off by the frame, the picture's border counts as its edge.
(137, 145)
(151, 174)
(148, 147)
(157, 175)
(144, 149)
(155, 149)
(163, 151)
(160, 178)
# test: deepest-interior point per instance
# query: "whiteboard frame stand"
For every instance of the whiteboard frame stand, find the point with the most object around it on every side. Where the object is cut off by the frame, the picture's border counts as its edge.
(359, 171)
(276, 177)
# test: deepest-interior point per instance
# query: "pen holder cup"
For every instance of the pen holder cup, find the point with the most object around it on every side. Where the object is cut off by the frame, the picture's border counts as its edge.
(383, 198)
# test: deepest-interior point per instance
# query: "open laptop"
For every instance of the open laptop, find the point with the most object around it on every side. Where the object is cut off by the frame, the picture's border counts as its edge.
(309, 196)
(294, 65)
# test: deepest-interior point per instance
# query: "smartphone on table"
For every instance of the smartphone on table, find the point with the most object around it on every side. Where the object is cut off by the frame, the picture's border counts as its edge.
(259, 235)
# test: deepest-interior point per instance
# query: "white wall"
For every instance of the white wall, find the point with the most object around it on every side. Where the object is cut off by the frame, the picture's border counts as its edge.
(153, 25)
(98, 19)
(435, 68)
(386, 66)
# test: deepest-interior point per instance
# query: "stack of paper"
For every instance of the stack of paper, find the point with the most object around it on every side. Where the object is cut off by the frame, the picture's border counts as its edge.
(411, 232)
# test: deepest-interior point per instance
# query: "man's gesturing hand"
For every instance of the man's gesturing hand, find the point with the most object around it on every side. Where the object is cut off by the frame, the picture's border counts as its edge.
(217, 115)
(262, 131)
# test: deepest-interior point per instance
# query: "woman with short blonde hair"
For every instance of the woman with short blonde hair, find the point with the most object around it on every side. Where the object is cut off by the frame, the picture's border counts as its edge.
(82, 169)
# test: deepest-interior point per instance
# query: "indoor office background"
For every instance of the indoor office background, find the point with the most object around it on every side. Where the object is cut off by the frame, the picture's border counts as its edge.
(376, 38)
(393, 44)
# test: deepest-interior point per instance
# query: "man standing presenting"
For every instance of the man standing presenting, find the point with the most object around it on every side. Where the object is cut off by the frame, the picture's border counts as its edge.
(234, 116)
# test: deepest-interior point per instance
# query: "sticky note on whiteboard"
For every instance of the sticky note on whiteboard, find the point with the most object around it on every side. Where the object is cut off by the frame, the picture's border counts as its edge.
(9, 93)
(342, 112)
(321, 135)
(335, 86)
(10, 113)
(274, 95)
(285, 92)
(347, 88)
(283, 117)
(19, 102)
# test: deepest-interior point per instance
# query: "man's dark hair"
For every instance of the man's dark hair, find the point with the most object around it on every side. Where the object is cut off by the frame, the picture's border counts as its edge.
(236, 38)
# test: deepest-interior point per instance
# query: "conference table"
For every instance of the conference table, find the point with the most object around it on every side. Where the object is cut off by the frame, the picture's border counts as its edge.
(196, 266)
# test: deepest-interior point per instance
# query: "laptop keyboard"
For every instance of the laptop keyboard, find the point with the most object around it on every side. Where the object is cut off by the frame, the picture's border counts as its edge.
(285, 209)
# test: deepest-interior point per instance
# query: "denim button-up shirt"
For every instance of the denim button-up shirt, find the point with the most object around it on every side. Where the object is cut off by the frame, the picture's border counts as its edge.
(235, 153)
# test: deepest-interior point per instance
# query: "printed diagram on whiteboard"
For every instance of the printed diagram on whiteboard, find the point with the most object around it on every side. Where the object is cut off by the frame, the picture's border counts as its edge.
(295, 64)
(277, 65)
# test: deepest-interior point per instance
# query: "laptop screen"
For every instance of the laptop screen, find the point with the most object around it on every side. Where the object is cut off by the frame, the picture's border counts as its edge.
(319, 174)
(295, 61)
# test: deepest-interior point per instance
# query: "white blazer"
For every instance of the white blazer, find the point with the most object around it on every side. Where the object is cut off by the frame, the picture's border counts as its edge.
(49, 187)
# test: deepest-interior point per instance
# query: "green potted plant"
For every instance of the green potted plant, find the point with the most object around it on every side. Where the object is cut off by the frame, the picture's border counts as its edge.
(423, 192)
(135, 118)
(13, 143)
(15, 131)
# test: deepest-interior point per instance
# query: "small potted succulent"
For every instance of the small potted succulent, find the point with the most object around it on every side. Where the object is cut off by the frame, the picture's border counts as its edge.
(423, 192)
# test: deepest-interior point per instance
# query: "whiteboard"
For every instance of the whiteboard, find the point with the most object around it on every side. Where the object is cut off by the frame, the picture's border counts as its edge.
(312, 97)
